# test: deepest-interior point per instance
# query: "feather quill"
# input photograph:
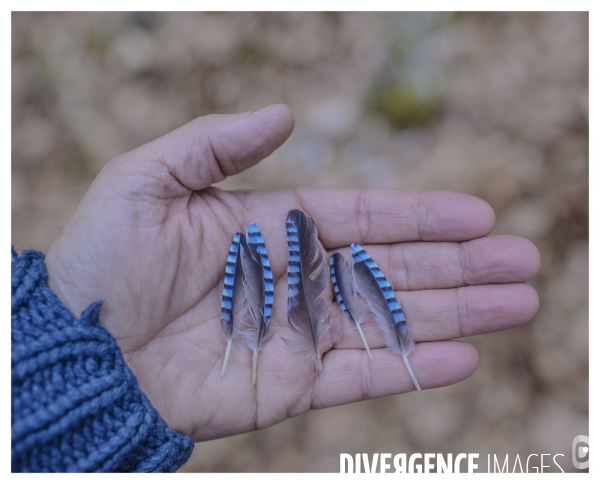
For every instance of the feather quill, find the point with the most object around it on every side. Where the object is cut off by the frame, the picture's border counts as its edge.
(376, 289)
(258, 286)
(233, 302)
(346, 294)
(308, 279)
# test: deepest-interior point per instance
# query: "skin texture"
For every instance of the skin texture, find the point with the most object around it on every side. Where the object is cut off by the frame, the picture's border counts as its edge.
(151, 236)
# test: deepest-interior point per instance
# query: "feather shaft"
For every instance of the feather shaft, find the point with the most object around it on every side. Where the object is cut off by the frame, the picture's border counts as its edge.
(233, 298)
(259, 288)
(347, 295)
(308, 279)
(227, 351)
(376, 289)
(254, 365)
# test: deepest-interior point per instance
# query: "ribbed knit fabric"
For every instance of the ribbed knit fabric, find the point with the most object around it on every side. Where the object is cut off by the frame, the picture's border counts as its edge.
(76, 405)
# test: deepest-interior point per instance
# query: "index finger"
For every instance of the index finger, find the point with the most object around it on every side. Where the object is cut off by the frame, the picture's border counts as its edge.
(372, 216)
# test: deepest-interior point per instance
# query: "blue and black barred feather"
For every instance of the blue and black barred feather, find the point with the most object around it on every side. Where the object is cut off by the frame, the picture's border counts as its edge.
(376, 289)
(308, 279)
(346, 294)
(234, 298)
(258, 285)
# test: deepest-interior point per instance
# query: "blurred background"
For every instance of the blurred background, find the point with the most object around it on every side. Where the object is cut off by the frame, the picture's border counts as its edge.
(490, 104)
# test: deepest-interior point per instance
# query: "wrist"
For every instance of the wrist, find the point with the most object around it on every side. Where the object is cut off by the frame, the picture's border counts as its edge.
(76, 406)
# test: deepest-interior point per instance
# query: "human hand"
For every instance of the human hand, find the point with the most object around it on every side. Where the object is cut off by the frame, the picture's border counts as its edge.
(151, 236)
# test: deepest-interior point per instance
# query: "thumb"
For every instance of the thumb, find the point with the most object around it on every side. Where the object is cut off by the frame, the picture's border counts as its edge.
(211, 148)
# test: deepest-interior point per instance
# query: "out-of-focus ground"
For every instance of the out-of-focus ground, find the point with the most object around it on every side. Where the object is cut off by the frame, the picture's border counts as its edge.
(495, 105)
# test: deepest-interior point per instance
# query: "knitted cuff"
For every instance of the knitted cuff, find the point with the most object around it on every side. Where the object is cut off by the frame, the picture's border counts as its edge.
(76, 405)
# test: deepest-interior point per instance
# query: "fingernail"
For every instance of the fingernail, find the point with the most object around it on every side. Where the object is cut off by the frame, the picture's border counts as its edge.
(260, 111)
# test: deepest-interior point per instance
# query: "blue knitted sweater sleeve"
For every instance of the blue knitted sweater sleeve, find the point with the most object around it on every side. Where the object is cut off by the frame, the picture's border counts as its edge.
(76, 405)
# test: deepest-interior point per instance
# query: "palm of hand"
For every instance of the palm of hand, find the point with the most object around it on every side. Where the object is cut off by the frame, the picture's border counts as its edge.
(150, 239)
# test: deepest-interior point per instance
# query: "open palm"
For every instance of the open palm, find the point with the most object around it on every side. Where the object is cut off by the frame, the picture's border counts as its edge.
(151, 237)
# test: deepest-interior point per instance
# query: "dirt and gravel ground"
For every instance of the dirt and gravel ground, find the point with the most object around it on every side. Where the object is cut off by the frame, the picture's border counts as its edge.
(495, 105)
